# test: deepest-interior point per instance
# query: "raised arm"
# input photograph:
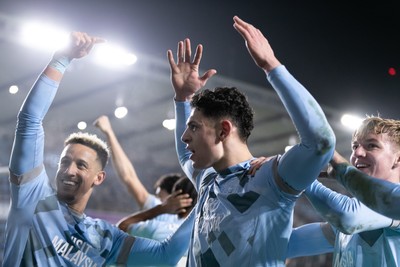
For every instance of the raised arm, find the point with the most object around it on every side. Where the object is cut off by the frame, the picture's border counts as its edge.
(186, 82)
(379, 195)
(27, 151)
(300, 166)
(122, 165)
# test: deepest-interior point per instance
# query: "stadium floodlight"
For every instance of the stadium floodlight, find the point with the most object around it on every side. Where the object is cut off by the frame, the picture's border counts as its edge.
(113, 56)
(43, 36)
(13, 89)
(120, 112)
(351, 122)
(169, 124)
(82, 125)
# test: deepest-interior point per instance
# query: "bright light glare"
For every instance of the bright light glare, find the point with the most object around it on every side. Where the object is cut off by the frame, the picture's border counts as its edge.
(44, 37)
(169, 124)
(13, 89)
(113, 56)
(350, 121)
(120, 112)
(82, 125)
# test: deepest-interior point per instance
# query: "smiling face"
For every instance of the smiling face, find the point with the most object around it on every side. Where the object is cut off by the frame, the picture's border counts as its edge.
(201, 137)
(376, 155)
(78, 171)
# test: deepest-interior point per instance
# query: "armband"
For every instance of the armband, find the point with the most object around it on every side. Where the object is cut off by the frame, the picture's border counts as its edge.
(60, 63)
(395, 224)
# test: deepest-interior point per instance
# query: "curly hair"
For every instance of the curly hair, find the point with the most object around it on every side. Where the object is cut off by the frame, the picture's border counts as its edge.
(226, 102)
(167, 181)
(187, 187)
(378, 125)
(92, 141)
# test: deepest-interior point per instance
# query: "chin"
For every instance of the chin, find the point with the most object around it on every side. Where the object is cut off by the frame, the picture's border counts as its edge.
(67, 198)
(199, 166)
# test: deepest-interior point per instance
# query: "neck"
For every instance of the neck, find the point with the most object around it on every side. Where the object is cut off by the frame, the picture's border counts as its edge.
(233, 155)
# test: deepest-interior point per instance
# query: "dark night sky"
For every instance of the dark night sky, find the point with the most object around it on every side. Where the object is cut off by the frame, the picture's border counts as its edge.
(341, 52)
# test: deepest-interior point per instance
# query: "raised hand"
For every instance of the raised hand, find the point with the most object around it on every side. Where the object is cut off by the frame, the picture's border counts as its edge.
(185, 76)
(103, 123)
(176, 203)
(257, 45)
(80, 44)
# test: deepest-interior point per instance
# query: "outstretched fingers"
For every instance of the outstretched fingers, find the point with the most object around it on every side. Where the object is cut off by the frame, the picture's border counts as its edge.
(245, 29)
(207, 75)
(188, 50)
(171, 61)
(180, 52)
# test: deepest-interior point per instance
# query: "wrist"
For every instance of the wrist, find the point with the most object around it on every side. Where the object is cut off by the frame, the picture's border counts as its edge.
(60, 62)
(182, 98)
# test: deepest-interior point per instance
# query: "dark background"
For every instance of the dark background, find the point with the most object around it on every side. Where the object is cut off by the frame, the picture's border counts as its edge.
(340, 50)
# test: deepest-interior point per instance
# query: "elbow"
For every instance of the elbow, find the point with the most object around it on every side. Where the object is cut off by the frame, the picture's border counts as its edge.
(123, 226)
(347, 225)
(326, 143)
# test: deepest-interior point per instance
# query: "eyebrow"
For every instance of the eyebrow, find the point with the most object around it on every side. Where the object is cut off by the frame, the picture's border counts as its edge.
(369, 140)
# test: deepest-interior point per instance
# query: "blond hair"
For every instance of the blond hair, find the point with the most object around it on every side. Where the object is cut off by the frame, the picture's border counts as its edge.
(378, 125)
(92, 141)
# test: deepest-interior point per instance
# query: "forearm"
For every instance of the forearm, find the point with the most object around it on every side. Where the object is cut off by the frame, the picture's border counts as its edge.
(139, 217)
(379, 195)
(125, 169)
(347, 214)
(182, 113)
(309, 240)
(168, 252)
(27, 151)
(302, 164)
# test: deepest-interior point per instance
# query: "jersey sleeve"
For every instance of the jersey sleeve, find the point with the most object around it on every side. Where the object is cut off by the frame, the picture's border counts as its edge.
(28, 146)
(168, 252)
(347, 214)
(300, 166)
(379, 195)
(309, 240)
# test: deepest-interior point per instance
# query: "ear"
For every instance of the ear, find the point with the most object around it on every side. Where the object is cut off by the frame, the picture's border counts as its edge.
(226, 129)
(101, 176)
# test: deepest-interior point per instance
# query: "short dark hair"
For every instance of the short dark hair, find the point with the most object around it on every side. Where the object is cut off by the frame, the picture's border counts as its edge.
(92, 141)
(187, 187)
(226, 102)
(167, 181)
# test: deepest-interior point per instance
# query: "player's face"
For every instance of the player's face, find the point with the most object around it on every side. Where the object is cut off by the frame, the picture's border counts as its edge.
(78, 171)
(202, 140)
(377, 156)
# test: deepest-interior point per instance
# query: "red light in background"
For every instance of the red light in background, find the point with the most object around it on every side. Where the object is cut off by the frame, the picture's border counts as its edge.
(392, 71)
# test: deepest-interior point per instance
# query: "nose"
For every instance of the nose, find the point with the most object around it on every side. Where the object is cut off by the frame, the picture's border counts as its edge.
(71, 169)
(359, 152)
(185, 136)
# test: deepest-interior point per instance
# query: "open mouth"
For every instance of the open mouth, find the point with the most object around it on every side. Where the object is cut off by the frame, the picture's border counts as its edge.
(361, 165)
(71, 183)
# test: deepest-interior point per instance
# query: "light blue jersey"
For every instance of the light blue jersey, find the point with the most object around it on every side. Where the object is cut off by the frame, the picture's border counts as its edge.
(380, 195)
(365, 239)
(170, 219)
(43, 231)
(157, 228)
(379, 247)
(247, 221)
